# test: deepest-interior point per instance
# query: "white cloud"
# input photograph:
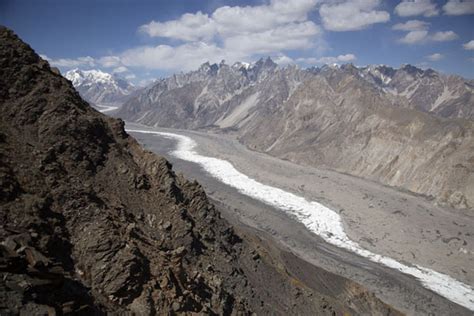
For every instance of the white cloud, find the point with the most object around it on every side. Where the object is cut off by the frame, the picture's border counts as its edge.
(86, 61)
(435, 57)
(230, 33)
(240, 33)
(414, 37)
(416, 7)
(184, 57)
(189, 27)
(444, 36)
(422, 37)
(120, 69)
(130, 77)
(352, 15)
(109, 61)
(230, 21)
(412, 25)
(418, 33)
(459, 7)
(287, 37)
(469, 45)
(252, 19)
(328, 60)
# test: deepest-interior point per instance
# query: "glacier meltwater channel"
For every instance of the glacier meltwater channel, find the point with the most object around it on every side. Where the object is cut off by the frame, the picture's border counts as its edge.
(316, 217)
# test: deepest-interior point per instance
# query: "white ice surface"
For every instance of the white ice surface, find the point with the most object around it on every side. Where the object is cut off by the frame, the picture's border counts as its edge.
(316, 217)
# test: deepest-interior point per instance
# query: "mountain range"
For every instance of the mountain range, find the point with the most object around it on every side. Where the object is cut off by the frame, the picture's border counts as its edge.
(405, 127)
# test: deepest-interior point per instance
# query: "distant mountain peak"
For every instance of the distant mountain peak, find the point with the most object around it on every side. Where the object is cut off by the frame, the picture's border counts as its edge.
(266, 62)
(99, 87)
(412, 70)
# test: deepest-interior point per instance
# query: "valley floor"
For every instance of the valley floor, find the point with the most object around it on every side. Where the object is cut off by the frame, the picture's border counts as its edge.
(386, 221)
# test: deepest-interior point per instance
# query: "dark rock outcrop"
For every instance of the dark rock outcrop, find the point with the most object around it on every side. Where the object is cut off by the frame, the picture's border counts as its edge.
(90, 223)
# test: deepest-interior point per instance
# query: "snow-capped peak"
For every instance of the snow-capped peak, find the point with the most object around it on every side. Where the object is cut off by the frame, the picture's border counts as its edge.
(78, 77)
(97, 86)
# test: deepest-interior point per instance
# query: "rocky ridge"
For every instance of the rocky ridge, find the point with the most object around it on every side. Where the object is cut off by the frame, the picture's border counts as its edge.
(406, 127)
(93, 224)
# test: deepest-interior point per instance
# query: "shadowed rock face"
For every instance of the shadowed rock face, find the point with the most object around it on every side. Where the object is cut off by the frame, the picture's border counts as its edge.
(406, 127)
(91, 223)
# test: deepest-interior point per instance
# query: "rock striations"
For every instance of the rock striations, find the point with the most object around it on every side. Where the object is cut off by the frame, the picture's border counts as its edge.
(406, 127)
(91, 223)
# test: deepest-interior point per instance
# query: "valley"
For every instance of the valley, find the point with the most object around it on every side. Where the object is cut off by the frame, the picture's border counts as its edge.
(237, 158)
(386, 221)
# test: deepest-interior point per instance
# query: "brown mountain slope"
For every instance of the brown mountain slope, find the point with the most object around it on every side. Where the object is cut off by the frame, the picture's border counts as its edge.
(343, 123)
(91, 223)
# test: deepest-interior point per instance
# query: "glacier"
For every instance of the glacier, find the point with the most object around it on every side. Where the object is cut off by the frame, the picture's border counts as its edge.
(316, 217)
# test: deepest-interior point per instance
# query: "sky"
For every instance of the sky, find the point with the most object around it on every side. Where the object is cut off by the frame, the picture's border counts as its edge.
(143, 39)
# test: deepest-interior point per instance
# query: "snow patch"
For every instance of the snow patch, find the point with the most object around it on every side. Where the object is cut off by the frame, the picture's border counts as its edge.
(445, 96)
(103, 108)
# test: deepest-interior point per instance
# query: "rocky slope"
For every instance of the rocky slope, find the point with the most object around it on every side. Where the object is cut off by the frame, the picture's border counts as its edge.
(93, 224)
(425, 90)
(406, 127)
(342, 123)
(98, 87)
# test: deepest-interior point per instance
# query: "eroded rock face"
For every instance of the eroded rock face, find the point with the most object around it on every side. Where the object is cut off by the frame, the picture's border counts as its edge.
(91, 223)
(344, 124)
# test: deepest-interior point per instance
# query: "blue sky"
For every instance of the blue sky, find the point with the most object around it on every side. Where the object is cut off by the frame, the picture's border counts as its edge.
(143, 40)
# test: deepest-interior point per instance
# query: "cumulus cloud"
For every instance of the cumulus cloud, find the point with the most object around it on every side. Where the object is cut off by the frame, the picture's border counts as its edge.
(418, 33)
(352, 15)
(236, 33)
(412, 25)
(414, 37)
(189, 27)
(435, 57)
(120, 69)
(416, 7)
(253, 19)
(459, 7)
(469, 45)
(287, 37)
(328, 60)
(444, 36)
(86, 61)
(423, 36)
(230, 21)
(184, 57)
(109, 61)
(231, 33)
